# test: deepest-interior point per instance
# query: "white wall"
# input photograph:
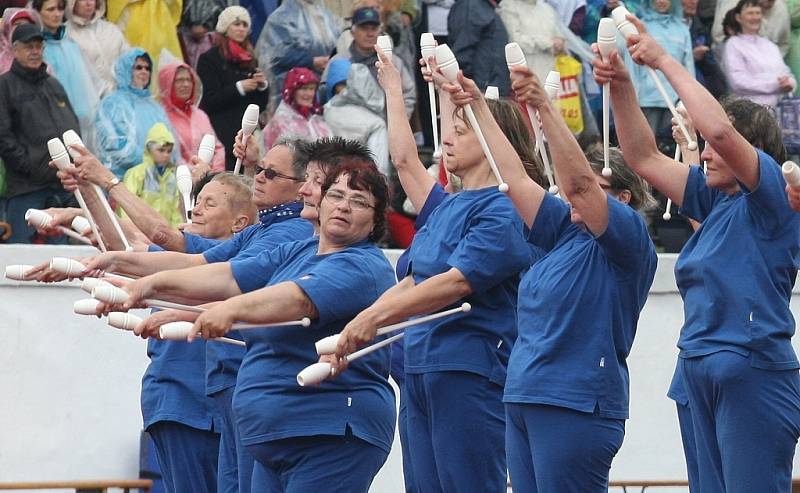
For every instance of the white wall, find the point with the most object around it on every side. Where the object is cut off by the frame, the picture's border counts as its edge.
(69, 386)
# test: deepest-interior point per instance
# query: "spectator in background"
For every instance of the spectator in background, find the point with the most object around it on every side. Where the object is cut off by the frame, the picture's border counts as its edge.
(259, 11)
(126, 115)
(534, 26)
(67, 63)
(34, 108)
(775, 25)
(664, 21)
(180, 97)
(100, 41)
(478, 38)
(299, 114)
(197, 28)
(356, 108)
(793, 58)
(571, 13)
(11, 19)
(706, 67)
(231, 79)
(153, 180)
(753, 64)
(597, 9)
(150, 24)
(300, 33)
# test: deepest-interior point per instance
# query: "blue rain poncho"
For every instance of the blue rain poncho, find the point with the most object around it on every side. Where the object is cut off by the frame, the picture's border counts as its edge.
(64, 57)
(125, 116)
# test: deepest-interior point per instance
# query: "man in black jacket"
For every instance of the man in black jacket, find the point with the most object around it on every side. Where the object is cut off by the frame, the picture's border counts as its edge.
(33, 109)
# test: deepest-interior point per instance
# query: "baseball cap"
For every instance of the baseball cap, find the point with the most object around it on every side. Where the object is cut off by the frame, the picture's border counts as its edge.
(26, 32)
(366, 15)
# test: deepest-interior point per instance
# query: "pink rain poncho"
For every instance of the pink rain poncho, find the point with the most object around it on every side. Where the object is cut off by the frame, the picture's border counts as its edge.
(292, 120)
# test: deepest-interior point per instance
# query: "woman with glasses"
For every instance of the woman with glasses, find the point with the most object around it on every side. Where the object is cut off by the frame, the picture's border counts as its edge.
(126, 115)
(339, 433)
(154, 179)
(470, 249)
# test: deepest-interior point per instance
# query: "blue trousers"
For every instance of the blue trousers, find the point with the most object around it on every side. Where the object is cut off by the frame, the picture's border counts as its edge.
(456, 428)
(746, 423)
(555, 449)
(41, 199)
(689, 445)
(402, 426)
(186, 456)
(316, 463)
(235, 473)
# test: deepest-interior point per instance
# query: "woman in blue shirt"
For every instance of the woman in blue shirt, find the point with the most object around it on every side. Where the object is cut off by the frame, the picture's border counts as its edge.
(341, 432)
(471, 249)
(737, 370)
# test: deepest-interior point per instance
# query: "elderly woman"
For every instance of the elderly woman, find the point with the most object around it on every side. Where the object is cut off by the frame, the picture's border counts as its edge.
(737, 372)
(180, 96)
(299, 114)
(752, 63)
(352, 417)
(231, 78)
(471, 249)
(100, 41)
(125, 116)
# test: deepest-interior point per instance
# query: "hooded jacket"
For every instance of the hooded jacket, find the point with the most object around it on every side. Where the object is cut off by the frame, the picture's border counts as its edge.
(189, 121)
(357, 113)
(673, 34)
(100, 41)
(64, 57)
(124, 117)
(158, 188)
(34, 108)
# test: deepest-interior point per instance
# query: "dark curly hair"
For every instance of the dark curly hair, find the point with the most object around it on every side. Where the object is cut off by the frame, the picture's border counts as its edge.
(363, 175)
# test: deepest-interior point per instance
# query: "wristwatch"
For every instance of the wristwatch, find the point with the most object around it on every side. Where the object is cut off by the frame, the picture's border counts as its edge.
(112, 183)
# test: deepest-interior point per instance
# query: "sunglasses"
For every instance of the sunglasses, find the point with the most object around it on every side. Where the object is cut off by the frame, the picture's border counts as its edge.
(141, 67)
(271, 174)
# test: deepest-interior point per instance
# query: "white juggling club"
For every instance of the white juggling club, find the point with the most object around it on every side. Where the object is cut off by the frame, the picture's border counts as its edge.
(17, 272)
(87, 306)
(206, 151)
(81, 225)
(89, 283)
(249, 122)
(514, 58)
(627, 29)
(552, 84)
(791, 173)
(385, 44)
(606, 42)
(179, 331)
(449, 66)
(72, 268)
(113, 295)
(183, 177)
(123, 321)
(492, 92)
(40, 219)
(327, 345)
(427, 46)
(318, 372)
(71, 138)
(667, 215)
(58, 153)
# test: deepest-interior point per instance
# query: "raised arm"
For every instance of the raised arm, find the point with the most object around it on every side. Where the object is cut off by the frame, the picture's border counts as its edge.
(636, 140)
(707, 114)
(578, 182)
(414, 178)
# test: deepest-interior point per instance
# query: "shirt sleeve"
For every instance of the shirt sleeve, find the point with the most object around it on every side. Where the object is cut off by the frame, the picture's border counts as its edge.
(225, 250)
(551, 222)
(698, 198)
(253, 273)
(767, 204)
(198, 244)
(625, 241)
(493, 248)
(347, 272)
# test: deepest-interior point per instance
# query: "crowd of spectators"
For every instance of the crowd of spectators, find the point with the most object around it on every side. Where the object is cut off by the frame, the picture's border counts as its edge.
(117, 71)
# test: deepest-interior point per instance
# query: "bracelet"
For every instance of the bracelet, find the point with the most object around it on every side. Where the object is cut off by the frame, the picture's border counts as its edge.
(113, 183)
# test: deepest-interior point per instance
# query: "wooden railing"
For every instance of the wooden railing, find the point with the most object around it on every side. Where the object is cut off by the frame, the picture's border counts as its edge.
(126, 485)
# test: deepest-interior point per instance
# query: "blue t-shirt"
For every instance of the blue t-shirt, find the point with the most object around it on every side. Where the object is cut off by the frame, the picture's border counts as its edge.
(479, 233)
(198, 244)
(223, 360)
(173, 385)
(268, 403)
(737, 271)
(578, 310)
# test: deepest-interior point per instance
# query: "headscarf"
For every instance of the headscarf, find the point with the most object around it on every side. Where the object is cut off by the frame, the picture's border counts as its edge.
(295, 79)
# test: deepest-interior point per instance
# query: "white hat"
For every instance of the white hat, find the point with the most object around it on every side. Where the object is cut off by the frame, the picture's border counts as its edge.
(230, 15)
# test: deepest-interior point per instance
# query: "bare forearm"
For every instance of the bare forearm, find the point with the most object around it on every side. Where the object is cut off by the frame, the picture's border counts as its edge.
(635, 137)
(279, 303)
(201, 284)
(142, 264)
(573, 171)
(148, 220)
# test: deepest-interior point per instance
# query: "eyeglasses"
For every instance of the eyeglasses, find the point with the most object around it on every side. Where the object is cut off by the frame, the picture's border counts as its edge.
(271, 174)
(356, 203)
(141, 67)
